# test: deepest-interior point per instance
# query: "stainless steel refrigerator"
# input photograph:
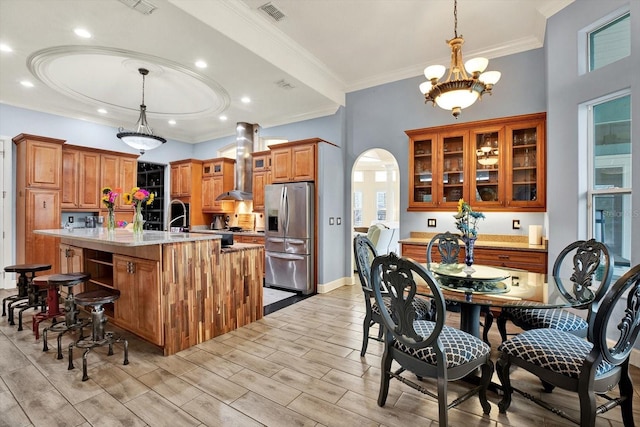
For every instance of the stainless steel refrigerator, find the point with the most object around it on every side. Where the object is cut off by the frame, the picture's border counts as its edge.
(289, 233)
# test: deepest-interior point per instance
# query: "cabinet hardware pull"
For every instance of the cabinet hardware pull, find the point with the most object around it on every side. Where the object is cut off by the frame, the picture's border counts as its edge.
(503, 256)
(44, 204)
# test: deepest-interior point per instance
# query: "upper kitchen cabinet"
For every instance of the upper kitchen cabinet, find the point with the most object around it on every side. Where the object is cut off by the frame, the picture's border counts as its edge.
(496, 164)
(119, 170)
(261, 176)
(80, 178)
(40, 161)
(217, 178)
(38, 181)
(294, 161)
(186, 178)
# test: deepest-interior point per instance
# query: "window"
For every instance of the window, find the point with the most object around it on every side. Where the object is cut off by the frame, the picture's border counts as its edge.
(610, 42)
(610, 210)
(381, 176)
(358, 176)
(357, 208)
(381, 205)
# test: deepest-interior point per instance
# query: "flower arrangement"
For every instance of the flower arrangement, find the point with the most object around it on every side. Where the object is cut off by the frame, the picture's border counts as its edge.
(109, 196)
(467, 220)
(137, 197)
(109, 199)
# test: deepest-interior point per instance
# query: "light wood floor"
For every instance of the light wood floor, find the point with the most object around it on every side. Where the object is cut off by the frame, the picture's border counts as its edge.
(299, 366)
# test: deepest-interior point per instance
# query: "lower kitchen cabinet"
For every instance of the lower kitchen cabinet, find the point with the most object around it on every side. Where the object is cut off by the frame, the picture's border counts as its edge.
(138, 309)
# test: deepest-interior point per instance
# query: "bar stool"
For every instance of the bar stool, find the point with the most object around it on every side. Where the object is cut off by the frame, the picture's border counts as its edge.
(72, 321)
(27, 297)
(96, 299)
(41, 283)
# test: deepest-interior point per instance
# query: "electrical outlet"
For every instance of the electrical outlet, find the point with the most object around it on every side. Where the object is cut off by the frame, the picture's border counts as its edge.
(338, 221)
(515, 224)
(71, 220)
(331, 219)
(431, 222)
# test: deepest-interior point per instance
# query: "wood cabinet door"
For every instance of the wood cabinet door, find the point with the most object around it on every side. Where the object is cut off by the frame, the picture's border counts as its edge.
(44, 165)
(71, 261)
(69, 190)
(148, 300)
(487, 168)
(44, 209)
(208, 193)
(125, 307)
(259, 181)
(127, 178)
(452, 169)
(217, 188)
(303, 163)
(422, 172)
(526, 168)
(89, 195)
(110, 171)
(281, 164)
(175, 181)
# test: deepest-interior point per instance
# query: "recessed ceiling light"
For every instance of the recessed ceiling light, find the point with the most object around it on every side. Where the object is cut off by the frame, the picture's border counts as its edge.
(5, 48)
(201, 64)
(26, 83)
(81, 32)
(102, 111)
(172, 122)
(245, 99)
(223, 118)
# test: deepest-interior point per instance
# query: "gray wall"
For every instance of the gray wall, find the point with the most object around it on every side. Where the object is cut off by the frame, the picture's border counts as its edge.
(566, 89)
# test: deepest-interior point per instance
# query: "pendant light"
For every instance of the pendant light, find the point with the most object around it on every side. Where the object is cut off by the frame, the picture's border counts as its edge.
(143, 138)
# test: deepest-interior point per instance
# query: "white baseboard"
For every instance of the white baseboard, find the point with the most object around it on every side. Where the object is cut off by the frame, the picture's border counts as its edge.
(323, 288)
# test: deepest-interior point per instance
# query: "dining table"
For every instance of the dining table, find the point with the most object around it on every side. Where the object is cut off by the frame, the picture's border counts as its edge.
(486, 286)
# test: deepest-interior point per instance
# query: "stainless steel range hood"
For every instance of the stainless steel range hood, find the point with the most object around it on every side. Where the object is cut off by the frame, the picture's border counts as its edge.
(246, 133)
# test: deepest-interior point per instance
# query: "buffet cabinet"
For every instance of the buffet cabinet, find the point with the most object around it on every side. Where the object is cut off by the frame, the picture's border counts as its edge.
(523, 259)
(38, 182)
(496, 164)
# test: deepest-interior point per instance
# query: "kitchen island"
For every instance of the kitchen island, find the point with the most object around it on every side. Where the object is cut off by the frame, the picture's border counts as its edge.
(176, 289)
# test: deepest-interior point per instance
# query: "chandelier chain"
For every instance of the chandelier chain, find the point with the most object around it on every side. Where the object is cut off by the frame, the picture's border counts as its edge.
(455, 18)
(142, 88)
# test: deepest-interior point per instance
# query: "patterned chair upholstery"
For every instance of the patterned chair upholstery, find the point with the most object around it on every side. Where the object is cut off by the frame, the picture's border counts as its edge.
(449, 251)
(364, 253)
(425, 348)
(587, 256)
(588, 367)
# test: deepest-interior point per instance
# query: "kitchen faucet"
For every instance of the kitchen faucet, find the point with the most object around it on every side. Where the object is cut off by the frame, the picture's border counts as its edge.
(183, 216)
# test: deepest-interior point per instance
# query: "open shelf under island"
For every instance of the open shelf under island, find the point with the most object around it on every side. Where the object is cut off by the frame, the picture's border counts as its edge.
(176, 289)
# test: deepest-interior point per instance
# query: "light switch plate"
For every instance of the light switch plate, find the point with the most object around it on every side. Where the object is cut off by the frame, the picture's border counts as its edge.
(338, 221)
(431, 222)
(331, 220)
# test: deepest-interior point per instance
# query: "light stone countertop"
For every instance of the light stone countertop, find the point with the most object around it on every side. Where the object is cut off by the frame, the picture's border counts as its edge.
(124, 237)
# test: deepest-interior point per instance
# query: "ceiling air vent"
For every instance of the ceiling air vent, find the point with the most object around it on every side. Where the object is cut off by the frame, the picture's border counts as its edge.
(141, 6)
(272, 11)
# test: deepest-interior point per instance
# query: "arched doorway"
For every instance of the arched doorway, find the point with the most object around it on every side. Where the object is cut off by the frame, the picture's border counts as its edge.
(375, 193)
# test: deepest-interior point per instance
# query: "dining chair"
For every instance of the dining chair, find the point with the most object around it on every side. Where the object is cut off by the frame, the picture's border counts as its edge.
(589, 367)
(586, 258)
(364, 253)
(448, 246)
(423, 347)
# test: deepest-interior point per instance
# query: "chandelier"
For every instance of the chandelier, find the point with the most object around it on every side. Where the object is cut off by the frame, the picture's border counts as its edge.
(487, 154)
(143, 138)
(461, 88)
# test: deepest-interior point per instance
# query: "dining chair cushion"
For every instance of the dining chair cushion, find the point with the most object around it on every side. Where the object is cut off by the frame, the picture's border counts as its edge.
(422, 308)
(554, 350)
(537, 318)
(459, 347)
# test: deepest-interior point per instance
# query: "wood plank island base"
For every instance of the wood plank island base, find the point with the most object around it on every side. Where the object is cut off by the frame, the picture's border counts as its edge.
(176, 289)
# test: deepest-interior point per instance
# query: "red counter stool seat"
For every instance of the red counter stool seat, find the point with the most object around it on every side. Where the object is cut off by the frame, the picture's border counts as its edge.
(72, 321)
(96, 299)
(27, 297)
(41, 283)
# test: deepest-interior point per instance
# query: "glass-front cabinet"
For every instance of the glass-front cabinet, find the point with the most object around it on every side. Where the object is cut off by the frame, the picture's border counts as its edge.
(525, 144)
(422, 167)
(496, 164)
(454, 149)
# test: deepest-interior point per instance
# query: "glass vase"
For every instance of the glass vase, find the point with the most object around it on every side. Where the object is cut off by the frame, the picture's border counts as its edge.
(111, 220)
(138, 221)
(469, 243)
